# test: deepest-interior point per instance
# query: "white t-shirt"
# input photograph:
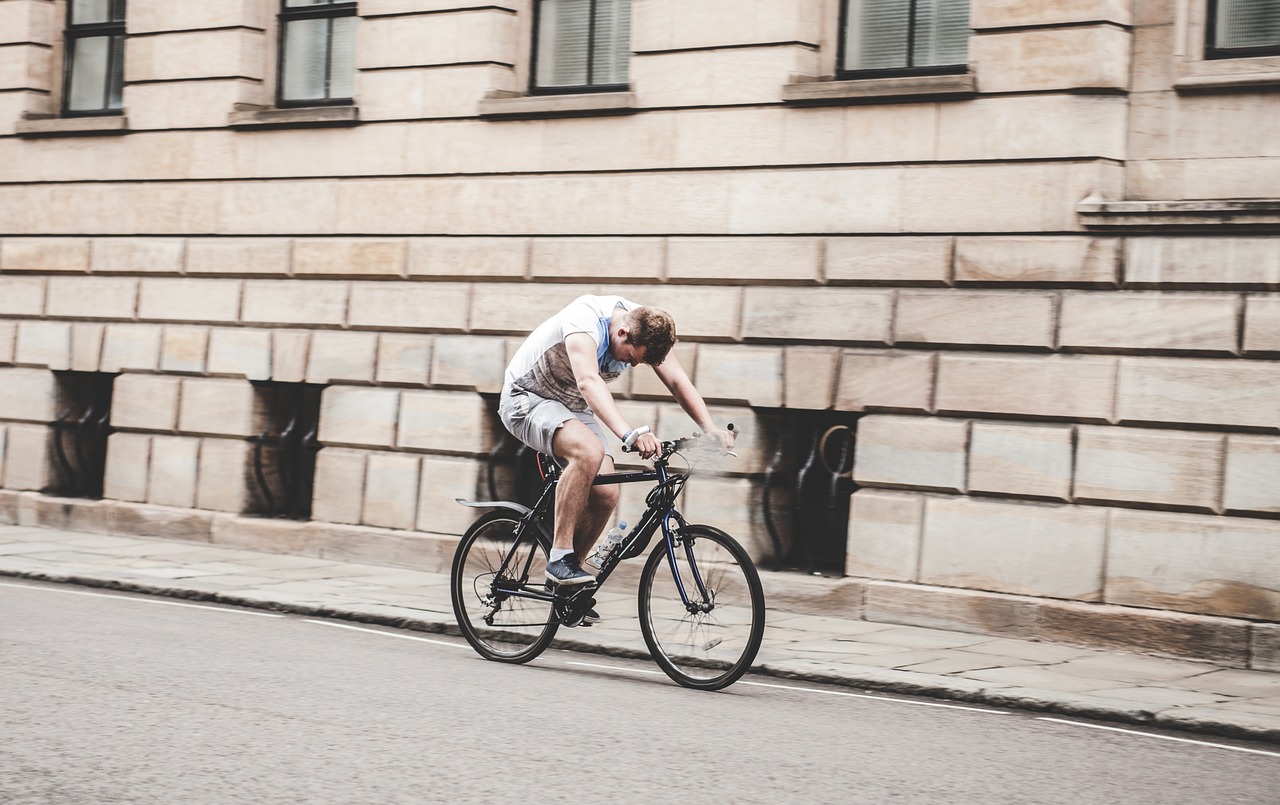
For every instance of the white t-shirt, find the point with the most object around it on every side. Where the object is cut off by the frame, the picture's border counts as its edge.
(541, 365)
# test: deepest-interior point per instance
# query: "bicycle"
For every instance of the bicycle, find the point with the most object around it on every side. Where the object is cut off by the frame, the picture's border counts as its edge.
(703, 621)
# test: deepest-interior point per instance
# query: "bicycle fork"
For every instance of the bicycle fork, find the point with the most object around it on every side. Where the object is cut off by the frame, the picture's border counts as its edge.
(705, 601)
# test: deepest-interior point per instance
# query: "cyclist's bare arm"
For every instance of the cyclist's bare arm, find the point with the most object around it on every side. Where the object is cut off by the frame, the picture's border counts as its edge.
(582, 359)
(677, 381)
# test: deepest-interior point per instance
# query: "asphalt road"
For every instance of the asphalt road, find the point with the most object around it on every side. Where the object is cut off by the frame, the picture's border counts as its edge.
(113, 698)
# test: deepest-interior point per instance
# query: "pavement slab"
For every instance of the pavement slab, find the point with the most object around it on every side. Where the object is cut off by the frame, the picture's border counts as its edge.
(914, 637)
(1132, 667)
(961, 662)
(1235, 683)
(981, 670)
(1161, 697)
(1035, 651)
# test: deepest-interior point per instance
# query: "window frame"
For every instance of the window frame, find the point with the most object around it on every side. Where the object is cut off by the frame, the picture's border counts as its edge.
(1213, 52)
(843, 74)
(71, 33)
(577, 89)
(290, 14)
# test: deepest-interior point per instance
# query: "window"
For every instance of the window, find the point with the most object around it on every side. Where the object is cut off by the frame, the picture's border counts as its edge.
(581, 45)
(95, 58)
(283, 463)
(317, 52)
(80, 433)
(1243, 28)
(907, 37)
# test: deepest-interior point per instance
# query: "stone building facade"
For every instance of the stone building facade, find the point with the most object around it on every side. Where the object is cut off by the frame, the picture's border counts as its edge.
(1044, 282)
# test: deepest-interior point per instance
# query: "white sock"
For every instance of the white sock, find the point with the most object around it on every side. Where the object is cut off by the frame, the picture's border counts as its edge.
(559, 553)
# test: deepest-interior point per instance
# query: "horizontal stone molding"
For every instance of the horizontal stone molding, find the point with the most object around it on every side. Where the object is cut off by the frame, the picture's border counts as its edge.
(1162, 215)
(930, 198)
(1022, 262)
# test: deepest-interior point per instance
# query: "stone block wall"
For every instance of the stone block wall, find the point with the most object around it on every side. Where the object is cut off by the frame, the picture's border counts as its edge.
(1050, 287)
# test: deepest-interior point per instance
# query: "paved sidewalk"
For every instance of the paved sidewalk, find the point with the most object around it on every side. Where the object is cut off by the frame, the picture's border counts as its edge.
(903, 659)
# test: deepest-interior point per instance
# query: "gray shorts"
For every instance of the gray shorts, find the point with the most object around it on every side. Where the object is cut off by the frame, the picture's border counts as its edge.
(534, 420)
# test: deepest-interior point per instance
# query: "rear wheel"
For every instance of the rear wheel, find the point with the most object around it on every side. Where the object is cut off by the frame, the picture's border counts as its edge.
(711, 642)
(493, 602)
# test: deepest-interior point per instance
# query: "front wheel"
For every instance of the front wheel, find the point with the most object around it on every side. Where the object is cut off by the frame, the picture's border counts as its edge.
(711, 641)
(498, 586)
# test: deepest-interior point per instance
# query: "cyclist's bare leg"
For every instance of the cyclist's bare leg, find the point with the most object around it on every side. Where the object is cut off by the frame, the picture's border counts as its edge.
(600, 506)
(581, 509)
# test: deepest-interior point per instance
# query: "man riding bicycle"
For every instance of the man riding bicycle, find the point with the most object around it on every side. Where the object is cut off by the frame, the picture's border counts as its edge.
(555, 399)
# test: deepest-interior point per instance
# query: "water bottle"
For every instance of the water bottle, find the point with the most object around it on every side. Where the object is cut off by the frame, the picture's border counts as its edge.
(608, 545)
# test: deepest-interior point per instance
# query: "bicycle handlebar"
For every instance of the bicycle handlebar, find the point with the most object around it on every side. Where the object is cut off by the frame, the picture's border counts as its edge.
(675, 446)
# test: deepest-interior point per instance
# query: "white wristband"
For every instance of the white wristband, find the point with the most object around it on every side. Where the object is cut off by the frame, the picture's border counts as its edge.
(635, 433)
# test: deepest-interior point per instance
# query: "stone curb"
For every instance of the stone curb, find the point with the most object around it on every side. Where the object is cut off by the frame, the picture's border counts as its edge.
(898, 682)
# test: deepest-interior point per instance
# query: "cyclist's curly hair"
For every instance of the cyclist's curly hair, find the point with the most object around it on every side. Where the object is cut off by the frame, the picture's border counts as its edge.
(653, 329)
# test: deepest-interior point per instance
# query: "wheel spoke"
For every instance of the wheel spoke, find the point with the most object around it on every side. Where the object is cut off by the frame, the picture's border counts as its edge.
(500, 625)
(704, 649)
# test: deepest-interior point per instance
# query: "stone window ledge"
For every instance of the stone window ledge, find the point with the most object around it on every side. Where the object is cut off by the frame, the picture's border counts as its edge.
(73, 126)
(1225, 75)
(880, 90)
(1263, 212)
(302, 117)
(505, 106)
(1214, 83)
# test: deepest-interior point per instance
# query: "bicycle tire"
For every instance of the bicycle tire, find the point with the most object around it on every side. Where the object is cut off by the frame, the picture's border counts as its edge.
(704, 650)
(522, 628)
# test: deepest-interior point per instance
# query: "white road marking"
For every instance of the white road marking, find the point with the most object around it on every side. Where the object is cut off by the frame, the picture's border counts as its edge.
(147, 600)
(1161, 737)
(880, 698)
(813, 690)
(387, 634)
(614, 667)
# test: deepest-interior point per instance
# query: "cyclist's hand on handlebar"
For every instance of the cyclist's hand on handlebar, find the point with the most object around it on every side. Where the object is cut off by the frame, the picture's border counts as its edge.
(723, 438)
(647, 445)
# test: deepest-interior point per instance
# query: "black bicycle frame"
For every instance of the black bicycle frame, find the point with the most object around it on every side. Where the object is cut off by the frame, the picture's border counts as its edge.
(660, 509)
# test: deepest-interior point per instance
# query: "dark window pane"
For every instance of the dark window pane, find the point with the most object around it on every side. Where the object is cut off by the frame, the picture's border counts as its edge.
(115, 82)
(305, 3)
(1247, 24)
(305, 46)
(564, 36)
(85, 12)
(612, 55)
(905, 34)
(877, 33)
(342, 64)
(87, 88)
(942, 33)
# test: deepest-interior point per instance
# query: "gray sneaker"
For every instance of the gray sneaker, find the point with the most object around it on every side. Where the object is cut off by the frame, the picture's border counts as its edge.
(568, 573)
